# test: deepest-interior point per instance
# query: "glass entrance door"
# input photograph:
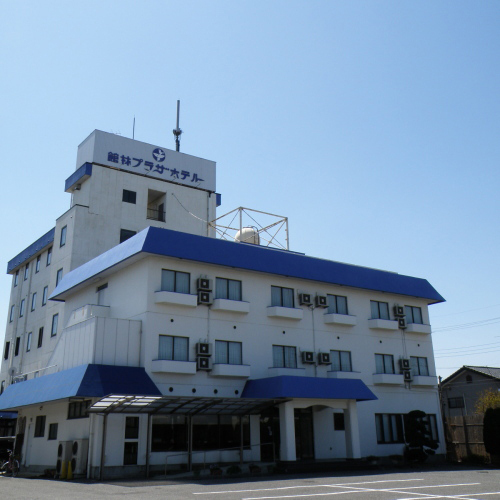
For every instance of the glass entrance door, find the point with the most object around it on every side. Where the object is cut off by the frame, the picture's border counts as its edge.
(304, 436)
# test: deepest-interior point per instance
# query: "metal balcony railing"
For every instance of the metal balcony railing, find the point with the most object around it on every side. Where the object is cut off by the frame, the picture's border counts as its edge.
(154, 214)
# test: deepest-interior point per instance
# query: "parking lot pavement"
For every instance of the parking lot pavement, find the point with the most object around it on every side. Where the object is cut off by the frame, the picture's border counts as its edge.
(457, 484)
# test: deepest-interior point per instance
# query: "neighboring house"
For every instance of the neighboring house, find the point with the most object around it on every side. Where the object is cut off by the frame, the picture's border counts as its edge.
(136, 337)
(460, 391)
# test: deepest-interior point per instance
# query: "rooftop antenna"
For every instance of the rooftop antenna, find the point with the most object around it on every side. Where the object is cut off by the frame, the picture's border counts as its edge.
(133, 129)
(177, 131)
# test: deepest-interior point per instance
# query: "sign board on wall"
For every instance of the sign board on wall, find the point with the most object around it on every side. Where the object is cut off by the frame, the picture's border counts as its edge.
(141, 158)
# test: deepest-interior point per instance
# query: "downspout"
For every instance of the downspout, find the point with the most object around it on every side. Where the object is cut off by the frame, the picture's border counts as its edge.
(103, 449)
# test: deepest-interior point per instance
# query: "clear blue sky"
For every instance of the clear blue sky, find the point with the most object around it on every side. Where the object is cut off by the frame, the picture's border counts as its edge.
(372, 125)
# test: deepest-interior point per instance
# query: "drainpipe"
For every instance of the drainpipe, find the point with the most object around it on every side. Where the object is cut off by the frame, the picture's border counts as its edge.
(103, 449)
(148, 439)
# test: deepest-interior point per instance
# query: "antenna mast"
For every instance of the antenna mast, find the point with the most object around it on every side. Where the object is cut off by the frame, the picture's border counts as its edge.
(177, 131)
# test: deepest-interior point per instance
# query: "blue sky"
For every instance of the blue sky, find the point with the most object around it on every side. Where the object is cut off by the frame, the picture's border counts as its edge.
(372, 125)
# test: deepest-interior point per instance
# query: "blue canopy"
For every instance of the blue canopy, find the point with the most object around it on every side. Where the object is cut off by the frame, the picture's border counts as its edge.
(82, 381)
(287, 386)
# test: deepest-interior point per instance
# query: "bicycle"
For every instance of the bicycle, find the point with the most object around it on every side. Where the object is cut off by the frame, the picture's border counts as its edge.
(11, 465)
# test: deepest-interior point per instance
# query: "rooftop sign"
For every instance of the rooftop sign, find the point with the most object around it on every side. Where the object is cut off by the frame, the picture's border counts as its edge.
(141, 158)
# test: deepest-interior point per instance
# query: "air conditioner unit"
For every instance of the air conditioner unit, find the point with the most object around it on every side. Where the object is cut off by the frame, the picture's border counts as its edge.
(204, 297)
(402, 323)
(399, 311)
(63, 454)
(307, 357)
(404, 363)
(79, 455)
(408, 376)
(203, 349)
(204, 284)
(324, 358)
(305, 299)
(203, 363)
(321, 301)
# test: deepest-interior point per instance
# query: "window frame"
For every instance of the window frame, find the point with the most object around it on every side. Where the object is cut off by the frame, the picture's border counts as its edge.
(416, 367)
(176, 286)
(62, 238)
(52, 434)
(284, 357)
(22, 307)
(78, 409)
(37, 264)
(39, 430)
(126, 234)
(33, 301)
(59, 276)
(26, 271)
(6, 350)
(379, 314)
(333, 304)
(454, 402)
(410, 315)
(226, 345)
(227, 283)
(28, 342)
(384, 357)
(49, 257)
(283, 300)
(127, 196)
(12, 311)
(174, 357)
(390, 419)
(16, 278)
(45, 295)
(40, 337)
(340, 363)
(55, 321)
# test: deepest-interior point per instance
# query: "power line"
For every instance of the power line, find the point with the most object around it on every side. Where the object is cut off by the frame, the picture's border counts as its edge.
(468, 353)
(462, 326)
(465, 347)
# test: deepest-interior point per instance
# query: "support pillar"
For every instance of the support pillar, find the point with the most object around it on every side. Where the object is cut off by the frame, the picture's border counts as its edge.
(352, 442)
(287, 432)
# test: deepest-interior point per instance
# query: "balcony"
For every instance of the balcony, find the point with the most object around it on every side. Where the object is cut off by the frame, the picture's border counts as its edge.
(170, 366)
(232, 371)
(418, 328)
(278, 372)
(388, 379)
(155, 214)
(343, 375)
(339, 319)
(178, 299)
(236, 306)
(382, 324)
(285, 312)
(425, 380)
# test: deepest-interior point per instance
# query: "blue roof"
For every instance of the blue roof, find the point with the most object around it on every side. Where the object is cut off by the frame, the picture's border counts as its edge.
(81, 381)
(33, 249)
(77, 177)
(307, 387)
(187, 246)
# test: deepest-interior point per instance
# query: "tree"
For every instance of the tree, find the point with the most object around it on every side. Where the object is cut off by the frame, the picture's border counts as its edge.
(487, 399)
(418, 437)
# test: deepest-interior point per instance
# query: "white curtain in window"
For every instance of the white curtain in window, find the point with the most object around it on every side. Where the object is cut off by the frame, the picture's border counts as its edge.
(220, 352)
(278, 360)
(417, 315)
(181, 348)
(287, 297)
(235, 353)
(276, 296)
(379, 363)
(335, 359)
(345, 361)
(384, 310)
(167, 280)
(290, 357)
(182, 283)
(234, 290)
(332, 306)
(221, 288)
(423, 368)
(166, 347)
(388, 364)
(342, 305)
(374, 309)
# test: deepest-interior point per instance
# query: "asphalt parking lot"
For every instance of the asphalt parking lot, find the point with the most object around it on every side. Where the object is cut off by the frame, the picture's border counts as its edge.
(457, 483)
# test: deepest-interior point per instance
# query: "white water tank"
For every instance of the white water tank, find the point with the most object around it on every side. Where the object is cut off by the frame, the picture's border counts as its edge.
(248, 235)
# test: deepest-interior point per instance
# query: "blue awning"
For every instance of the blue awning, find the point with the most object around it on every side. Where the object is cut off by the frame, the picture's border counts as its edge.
(81, 381)
(287, 386)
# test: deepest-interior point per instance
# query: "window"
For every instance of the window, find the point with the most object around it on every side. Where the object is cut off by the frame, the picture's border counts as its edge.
(44, 296)
(413, 315)
(55, 320)
(456, 402)
(52, 432)
(337, 304)
(16, 278)
(173, 348)
(389, 428)
(284, 356)
(59, 276)
(101, 295)
(384, 363)
(33, 301)
(169, 433)
(282, 297)
(132, 428)
(338, 422)
(430, 426)
(11, 317)
(130, 450)
(49, 256)
(28, 342)
(6, 350)
(78, 409)
(129, 196)
(341, 361)
(228, 353)
(37, 266)
(380, 310)
(468, 379)
(227, 289)
(21, 309)
(62, 241)
(40, 337)
(419, 366)
(125, 234)
(175, 281)
(18, 344)
(26, 272)
(40, 426)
